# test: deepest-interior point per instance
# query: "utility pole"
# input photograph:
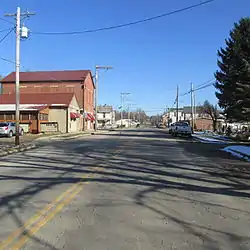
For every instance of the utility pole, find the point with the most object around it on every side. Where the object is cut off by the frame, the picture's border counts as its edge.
(194, 109)
(121, 109)
(122, 104)
(129, 114)
(177, 104)
(96, 89)
(18, 15)
(83, 87)
(192, 106)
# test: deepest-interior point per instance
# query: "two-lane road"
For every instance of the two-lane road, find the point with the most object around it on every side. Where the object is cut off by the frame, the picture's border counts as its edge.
(140, 189)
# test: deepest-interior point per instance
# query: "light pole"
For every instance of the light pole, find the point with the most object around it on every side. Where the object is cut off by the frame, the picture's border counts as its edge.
(96, 89)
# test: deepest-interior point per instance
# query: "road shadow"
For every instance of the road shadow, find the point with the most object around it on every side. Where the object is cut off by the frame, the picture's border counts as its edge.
(154, 166)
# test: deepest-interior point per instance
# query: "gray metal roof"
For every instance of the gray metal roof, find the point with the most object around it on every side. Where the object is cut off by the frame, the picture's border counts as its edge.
(188, 110)
(105, 109)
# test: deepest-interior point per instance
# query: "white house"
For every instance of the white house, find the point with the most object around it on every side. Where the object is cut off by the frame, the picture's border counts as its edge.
(105, 115)
(184, 114)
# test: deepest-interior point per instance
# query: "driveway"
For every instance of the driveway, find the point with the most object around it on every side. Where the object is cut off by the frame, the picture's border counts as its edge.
(141, 189)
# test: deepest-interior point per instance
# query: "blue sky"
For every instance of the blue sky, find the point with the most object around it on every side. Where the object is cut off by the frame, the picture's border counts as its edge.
(149, 59)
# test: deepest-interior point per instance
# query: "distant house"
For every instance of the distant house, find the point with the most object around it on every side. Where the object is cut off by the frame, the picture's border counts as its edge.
(202, 121)
(57, 112)
(105, 115)
(79, 82)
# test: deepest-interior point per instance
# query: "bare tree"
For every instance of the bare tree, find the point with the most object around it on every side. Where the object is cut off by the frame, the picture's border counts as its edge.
(212, 111)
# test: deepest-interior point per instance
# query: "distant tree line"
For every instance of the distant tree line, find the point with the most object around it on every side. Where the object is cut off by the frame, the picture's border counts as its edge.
(137, 115)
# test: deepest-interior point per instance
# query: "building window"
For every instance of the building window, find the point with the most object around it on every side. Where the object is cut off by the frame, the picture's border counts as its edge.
(43, 117)
(25, 116)
(9, 117)
(1, 116)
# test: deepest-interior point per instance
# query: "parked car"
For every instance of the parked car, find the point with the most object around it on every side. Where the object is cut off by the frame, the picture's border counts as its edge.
(9, 129)
(160, 125)
(181, 128)
(171, 128)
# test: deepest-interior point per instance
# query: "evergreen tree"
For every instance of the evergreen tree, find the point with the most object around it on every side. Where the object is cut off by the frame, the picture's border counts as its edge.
(233, 78)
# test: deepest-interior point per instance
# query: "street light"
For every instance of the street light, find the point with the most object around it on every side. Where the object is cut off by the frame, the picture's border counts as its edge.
(97, 67)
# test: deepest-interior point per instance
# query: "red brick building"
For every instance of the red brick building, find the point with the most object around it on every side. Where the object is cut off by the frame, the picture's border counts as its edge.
(79, 82)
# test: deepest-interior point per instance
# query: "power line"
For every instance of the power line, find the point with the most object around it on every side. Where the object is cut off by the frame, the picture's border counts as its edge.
(4, 30)
(7, 60)
(203, 87)
(41, 73)
(205, 83)
(7, 35)
(7, 21)
(127, 24)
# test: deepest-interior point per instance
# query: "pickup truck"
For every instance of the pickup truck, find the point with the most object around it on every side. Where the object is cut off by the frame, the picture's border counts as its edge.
(181, 128)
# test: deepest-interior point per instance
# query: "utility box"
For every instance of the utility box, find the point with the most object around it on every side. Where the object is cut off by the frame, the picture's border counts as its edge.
(24, 32)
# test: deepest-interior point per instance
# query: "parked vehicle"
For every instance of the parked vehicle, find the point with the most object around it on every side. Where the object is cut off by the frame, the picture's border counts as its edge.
(160, 125)
(9, 129)
(181, 128)
(171, 128)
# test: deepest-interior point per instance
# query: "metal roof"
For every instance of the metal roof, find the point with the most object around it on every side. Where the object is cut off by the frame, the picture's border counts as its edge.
(48, 76)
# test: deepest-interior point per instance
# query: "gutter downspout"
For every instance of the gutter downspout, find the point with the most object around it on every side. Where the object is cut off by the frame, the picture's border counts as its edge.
(67, 120)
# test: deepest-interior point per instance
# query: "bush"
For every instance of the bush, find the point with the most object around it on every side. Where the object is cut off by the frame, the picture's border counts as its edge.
(243, 136)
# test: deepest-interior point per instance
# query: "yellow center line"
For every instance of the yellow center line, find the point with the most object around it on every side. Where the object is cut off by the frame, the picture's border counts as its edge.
(24, 233)
(36, 217)
(46, 219)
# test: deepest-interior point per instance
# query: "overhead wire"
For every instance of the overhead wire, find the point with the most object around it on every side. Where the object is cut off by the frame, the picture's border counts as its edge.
(5, 20)
(4, 30)
(6, 35)
(126, 24)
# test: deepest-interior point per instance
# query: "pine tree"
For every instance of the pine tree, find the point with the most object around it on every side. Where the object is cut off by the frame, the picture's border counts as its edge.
(233, 78)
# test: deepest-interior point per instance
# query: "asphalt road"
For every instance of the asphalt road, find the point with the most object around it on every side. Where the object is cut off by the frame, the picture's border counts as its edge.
(140, 189)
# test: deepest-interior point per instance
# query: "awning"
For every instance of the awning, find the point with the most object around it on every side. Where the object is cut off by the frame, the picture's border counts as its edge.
(73, 115)
(90, 117)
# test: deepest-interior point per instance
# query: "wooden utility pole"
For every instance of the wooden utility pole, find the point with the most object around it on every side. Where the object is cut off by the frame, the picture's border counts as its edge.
(97, 68)
(18, 16)
(177, 104)
(192, 106)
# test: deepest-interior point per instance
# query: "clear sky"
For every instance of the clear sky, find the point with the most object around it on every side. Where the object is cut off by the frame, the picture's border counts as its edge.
(149, 59)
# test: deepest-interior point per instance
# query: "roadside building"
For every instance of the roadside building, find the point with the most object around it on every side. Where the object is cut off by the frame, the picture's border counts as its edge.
(202, 121)
(57, 112)
(105, 116)
(79, 82)
(127, 123)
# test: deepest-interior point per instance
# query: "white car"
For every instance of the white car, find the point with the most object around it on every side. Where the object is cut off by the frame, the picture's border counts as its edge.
(181, 128)
(9, 129)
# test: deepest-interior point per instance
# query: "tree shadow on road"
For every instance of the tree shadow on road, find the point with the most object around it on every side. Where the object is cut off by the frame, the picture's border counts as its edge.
(154, 166)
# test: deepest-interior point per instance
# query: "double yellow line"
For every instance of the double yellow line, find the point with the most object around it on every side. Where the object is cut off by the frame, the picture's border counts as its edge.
(19, 237)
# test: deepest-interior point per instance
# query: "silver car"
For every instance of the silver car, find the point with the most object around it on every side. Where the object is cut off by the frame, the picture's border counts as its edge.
(9, 129)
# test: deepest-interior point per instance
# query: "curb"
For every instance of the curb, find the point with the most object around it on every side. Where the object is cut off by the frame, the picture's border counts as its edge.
(17, 150)
(65, 138)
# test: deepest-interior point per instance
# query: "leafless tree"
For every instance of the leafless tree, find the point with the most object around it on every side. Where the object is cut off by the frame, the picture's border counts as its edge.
(212, 111)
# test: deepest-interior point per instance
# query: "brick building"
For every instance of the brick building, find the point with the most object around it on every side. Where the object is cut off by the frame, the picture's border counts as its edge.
(79, 82)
